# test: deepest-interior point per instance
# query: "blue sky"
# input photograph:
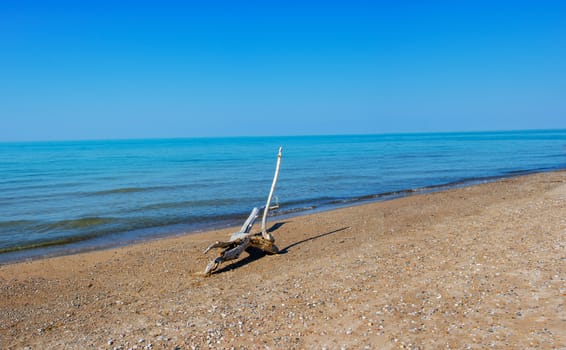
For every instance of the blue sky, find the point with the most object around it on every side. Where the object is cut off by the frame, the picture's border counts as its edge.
(134, 69)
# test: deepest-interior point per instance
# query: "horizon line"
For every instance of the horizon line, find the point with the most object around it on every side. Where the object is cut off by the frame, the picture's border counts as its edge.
(156, 138)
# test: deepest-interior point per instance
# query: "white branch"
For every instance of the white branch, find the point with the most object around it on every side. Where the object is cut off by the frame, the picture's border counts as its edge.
(264, 232)
(241, 240)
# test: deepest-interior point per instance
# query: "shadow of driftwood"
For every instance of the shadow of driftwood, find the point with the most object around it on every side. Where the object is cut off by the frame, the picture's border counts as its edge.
(276, 226)
(256, 254)
(284, 250)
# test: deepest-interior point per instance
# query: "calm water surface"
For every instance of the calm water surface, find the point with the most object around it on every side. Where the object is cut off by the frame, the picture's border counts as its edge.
(69, 196)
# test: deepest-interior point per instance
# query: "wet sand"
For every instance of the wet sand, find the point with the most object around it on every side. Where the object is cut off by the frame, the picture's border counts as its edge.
(476, 267)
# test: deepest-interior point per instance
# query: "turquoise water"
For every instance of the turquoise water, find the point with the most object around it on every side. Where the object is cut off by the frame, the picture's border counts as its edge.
(66, 196)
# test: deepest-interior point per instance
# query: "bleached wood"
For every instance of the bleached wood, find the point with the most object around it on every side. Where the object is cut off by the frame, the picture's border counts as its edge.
(248, 224)
(233, 249)
(264, 232)
(243, 233)
(217, 244)
(241, 240)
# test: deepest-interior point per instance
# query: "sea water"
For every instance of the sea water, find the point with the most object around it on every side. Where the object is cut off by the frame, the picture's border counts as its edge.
(65, 196)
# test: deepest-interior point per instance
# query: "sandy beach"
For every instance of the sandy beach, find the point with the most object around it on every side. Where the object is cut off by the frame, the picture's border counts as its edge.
(469, 268)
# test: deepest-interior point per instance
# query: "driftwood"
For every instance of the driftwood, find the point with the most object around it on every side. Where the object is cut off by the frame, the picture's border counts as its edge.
(241, 240)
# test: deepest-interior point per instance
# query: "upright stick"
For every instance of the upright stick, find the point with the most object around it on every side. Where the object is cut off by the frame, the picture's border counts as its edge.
(241, 240)
(264, 232)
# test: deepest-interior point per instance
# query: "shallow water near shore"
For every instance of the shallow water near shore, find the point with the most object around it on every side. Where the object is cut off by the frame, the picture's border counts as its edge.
(82, 195)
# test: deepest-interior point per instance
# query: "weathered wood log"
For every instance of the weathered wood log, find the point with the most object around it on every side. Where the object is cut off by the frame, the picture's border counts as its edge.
(232, 251)
(244, 232)
(241, 240)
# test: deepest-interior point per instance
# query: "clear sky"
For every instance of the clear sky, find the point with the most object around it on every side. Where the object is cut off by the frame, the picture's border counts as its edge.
(136, 69)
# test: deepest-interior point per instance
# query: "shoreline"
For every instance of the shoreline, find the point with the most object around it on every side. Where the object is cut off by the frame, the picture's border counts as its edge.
(123, 239)
(474, 266)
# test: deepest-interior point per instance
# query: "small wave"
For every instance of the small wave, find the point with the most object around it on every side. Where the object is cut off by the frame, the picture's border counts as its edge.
(44, 243)
(203, 203)
(309, 201)
(558, 155)
(15, 223)
(74, 224)
(292, 210)
(122, 190)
